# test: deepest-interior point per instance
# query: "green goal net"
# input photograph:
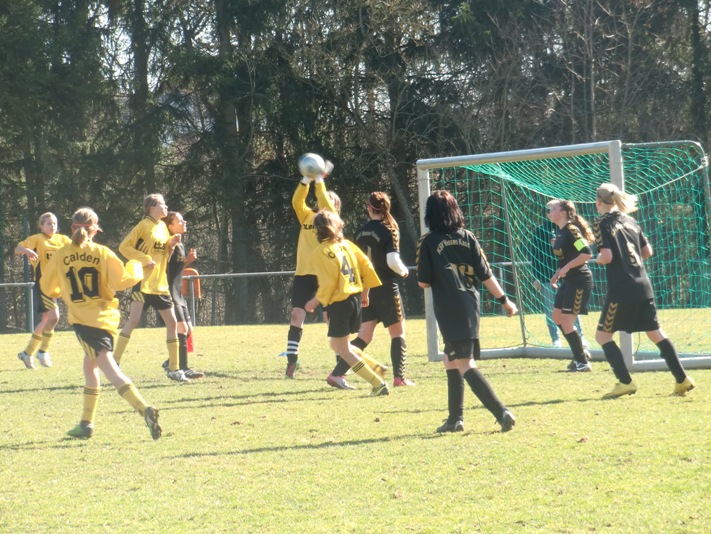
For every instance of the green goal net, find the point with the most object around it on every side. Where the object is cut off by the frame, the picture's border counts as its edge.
(504, 195)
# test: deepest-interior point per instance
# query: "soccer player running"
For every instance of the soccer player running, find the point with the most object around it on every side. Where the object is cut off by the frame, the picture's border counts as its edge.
(87, 276)
(305, 282)
(573, 278)
(379, 238)
(151, 244)
(451, 262)
(344, 275)
(179, 259)
(629, 303)
(39, 249)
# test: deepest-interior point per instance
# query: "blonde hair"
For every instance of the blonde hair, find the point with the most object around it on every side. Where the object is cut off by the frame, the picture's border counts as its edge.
(573, 217)
(611, 195)
(335, 200)
(46, 215)
(151, 200)
(328, 226)
(85, 223)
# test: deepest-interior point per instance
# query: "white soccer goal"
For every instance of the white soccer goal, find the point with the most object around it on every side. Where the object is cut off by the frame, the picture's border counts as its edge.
(503, 197)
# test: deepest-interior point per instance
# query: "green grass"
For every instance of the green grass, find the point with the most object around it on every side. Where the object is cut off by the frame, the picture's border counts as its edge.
(246, 451)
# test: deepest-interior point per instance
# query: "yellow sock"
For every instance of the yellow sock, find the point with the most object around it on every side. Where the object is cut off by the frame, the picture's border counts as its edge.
(91, 400)
(133, 397)
(366, 373)
(35, 341)
(377, 367)
(173, 353)
(46, 340)
(121, 343)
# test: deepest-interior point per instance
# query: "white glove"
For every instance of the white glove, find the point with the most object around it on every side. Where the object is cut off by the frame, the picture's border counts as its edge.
(326, 172)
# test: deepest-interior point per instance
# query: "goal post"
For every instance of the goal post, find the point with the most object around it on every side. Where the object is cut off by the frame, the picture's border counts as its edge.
(503, 197)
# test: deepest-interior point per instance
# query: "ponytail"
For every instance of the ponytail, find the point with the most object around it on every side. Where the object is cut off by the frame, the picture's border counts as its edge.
(611, 195)
(85, 223)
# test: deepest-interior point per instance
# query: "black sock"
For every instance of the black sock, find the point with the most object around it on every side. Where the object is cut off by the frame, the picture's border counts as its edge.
(359, 343)
(292, 345)
(614, 357)
(455, 396)
(182, 351)
(341, 367)
(484, 393)
(576, 346)
(398, 356)
(668, 352)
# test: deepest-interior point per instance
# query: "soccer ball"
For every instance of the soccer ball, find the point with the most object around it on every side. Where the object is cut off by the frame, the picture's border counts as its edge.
(311, 165)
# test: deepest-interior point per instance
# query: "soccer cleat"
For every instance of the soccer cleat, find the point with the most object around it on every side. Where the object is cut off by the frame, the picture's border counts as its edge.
(571, 366)
(291, 369)
(82, 431)
(457, 426)
(577, 367)
(381, 370)
(151, 419)
(44, 359)
(283, 354)
(507, 421)
(166, 365)
(400, 382)
(557, 343)
(178, 375)
(192, 374)
(338, 382)
(27, 359)
(621, 389)
(680, 390)
(380, 390)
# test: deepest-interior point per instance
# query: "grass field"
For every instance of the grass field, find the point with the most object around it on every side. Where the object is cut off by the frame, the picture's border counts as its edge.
(244, 450)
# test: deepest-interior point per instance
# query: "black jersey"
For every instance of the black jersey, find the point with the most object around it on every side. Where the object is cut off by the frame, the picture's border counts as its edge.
(569, 244)
(176, 264)
(626, 275)
(377, 241)
(453, 264)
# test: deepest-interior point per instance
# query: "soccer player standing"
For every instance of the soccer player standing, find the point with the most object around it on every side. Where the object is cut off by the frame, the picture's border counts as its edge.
(573, 278)
(450, 261)
(379, 238)
(629, 303)
(39, 249)
(180, 259)
(87, 276)
(305, 282)
(344, 276)
(151, 244)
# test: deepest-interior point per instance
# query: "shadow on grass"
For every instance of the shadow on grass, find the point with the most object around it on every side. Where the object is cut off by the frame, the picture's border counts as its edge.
(326, 445)
(64, 443)
(37, 390)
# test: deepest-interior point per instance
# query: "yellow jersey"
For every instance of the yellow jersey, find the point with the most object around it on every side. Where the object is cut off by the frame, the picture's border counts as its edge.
(342, 270)
(149, 241)
(45, 246)
(87, 279)
(307, 235)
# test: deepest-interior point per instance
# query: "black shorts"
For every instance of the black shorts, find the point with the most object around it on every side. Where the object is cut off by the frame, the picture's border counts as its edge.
(94, 340)
(634, 316)
(159, 302)
(463, 350)
(303, 290)
(42, 303)
(344, 317)
(573, 299)
(384, 305)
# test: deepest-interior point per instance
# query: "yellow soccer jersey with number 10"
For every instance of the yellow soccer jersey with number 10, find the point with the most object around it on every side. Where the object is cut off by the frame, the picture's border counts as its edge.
(149, 241)
(87, 278)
